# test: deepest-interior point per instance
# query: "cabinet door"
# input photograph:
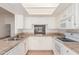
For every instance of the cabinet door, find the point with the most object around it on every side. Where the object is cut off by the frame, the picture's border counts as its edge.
(33, 43)
(22, 47)
(11, 52)
(17, 50)
(53, 44)
(58, 47)
(45, 43)
(67, 51)
(70, 52)
(40, 43)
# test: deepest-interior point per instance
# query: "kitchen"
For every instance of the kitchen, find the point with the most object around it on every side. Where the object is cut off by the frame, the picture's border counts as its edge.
(39, 29)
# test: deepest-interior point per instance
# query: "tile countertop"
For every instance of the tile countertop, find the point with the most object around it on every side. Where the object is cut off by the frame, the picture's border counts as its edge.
(6, 45)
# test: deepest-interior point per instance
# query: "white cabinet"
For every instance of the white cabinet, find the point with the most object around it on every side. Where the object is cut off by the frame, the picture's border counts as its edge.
(68, 23)
(40, 43)
(20, 49)
(71, 17)
(45, 43)
(68, 17)
(61, 49)
(19, 21)
(18, 24)
(53, 44)
(58, 47)
(33, 43)
(76, 15)
(16, 50)
(67, 51)
(12, 52)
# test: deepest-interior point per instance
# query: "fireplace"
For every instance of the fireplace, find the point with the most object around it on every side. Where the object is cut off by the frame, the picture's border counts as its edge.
(40, 29)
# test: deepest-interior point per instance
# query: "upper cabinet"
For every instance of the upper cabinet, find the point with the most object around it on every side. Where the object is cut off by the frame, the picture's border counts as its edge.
(19, 19)
(67, 23)
(69, 18)
(77, 16)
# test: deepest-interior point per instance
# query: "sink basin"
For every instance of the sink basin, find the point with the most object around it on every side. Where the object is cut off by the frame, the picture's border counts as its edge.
(14, 39)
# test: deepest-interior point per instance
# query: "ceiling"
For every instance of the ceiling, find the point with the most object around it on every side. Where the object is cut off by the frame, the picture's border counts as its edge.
(14, 8)
(4, 12)
(40, 8)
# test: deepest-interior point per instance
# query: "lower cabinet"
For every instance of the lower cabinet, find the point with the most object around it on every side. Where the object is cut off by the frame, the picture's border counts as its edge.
(67, 51)
(20, 49)
(53, 44)
(40, 43)
(58, 47)
(12, 51)
(61, 49)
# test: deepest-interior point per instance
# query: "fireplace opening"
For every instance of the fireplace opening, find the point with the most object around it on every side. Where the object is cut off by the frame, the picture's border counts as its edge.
(40, 29)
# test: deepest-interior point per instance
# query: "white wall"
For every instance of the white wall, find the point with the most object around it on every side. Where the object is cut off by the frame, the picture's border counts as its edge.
(2, 27)
(9, 19)
(6, 18)
(32, 20)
